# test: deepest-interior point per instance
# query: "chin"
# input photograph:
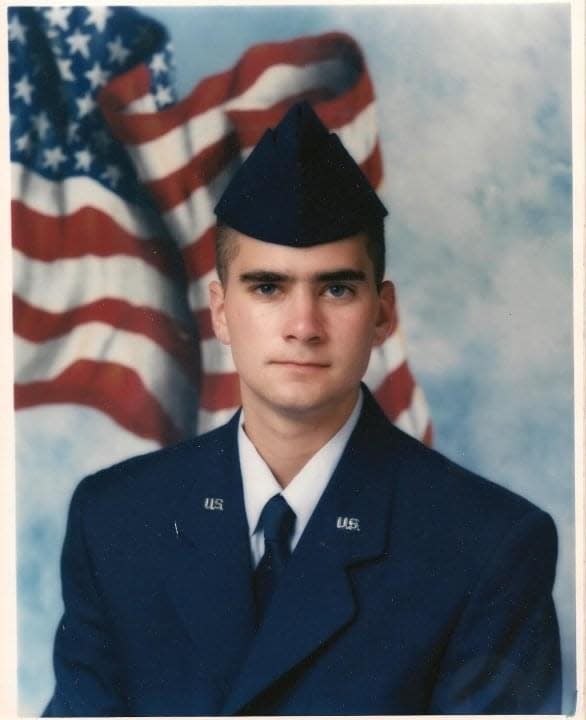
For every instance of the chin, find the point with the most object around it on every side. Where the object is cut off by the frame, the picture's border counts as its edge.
(300, 401)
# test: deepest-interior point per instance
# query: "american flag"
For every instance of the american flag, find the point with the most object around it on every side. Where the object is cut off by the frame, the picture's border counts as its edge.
(113, 186)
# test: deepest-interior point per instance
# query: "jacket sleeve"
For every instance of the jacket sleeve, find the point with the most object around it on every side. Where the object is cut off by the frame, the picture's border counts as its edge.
(86, 672)
(504, 654)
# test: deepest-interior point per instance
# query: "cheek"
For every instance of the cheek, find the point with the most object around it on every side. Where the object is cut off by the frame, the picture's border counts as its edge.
(355, 331)
(247, 326)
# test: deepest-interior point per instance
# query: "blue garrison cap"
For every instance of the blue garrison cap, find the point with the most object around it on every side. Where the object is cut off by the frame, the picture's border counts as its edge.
(299, 187)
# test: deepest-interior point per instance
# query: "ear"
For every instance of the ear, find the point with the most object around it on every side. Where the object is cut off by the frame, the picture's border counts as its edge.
(217, 309)
(387, 313)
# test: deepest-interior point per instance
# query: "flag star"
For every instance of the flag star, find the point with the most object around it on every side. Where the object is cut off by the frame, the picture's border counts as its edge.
(98, 16)
(83, 160)
(163, 95)
(72, 130)
(78, 42)
(64, 66)
(16, 30)
(85, 104)
(58, 17)
(23, 89)
(41, 124)
(118, 53)
(97, 76)
(23, 143)
(52, 157)
(158, 63)
(113, 174)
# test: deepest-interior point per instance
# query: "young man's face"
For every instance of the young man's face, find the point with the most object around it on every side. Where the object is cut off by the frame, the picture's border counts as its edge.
(301, 322)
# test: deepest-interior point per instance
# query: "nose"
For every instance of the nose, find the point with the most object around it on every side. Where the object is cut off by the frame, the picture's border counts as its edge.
(304, 321)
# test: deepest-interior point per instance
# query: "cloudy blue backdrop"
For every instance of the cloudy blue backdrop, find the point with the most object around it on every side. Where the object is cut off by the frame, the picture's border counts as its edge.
(474, 116)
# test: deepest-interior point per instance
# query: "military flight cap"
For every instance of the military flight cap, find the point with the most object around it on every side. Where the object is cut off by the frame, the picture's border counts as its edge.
(299, 187)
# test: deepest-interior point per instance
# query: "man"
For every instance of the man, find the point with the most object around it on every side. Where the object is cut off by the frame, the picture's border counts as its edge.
(308, 557)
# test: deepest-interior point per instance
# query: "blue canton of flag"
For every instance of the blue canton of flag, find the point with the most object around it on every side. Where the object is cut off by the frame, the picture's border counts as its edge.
(60, 58)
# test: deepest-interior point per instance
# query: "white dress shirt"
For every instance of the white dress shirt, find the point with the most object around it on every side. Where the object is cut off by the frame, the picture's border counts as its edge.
(302, 493)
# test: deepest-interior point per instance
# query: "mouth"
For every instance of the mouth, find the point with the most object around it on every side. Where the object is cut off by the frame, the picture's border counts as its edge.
(295, 364)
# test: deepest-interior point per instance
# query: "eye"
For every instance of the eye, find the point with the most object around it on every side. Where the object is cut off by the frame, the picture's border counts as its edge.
(266, 289)
(339, 291)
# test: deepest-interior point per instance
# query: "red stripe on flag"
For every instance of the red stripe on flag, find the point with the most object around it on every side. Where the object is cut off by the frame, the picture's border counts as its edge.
(396, 391)
(39, 325)
(85, 232)
(209, 93)
(203, 318)
(344, 107)
(124, 89)
(200, 256)
(197, 172)
(114, 389)
(220, 391)
(299, 51)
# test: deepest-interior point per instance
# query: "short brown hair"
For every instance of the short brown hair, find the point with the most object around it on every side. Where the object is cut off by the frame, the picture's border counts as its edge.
(227, 250)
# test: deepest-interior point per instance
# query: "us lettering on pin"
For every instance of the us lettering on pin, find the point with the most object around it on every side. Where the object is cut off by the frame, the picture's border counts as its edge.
(346, 523)
(214, 503)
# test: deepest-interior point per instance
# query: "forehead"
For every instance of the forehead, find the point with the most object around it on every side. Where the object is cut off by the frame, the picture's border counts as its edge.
(348, 252)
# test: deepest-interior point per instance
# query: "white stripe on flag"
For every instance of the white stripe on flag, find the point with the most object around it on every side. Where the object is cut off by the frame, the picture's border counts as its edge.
(59, 198)
(216, 357)
(360, 135)
(195, 215)
(384, 359)
(62, 285)
(198, 293)
(281, 81)
(144, 104)
(96, 341)
(166, 154)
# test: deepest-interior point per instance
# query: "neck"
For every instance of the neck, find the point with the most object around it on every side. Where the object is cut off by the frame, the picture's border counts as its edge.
(286, 443)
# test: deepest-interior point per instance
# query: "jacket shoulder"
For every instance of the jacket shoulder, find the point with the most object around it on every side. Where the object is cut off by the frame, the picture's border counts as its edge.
(154, 480)
(435, 493)
(435, 478)
(451, 511)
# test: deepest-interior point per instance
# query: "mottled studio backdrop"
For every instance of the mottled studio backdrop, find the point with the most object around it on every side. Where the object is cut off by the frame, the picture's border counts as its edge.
(474, 118)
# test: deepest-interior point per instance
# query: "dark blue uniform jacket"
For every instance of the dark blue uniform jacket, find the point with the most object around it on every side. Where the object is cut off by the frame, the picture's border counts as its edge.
(436, 599)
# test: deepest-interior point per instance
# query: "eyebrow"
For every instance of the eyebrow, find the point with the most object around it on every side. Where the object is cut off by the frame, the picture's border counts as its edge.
(343, 275)
(269, 276)
(262, 276)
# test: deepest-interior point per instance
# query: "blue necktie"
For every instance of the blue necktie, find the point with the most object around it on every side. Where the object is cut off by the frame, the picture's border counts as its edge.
(277, 521)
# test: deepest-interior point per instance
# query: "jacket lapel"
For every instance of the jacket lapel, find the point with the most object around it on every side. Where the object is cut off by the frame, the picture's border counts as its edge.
(314, 599)
(210, 584)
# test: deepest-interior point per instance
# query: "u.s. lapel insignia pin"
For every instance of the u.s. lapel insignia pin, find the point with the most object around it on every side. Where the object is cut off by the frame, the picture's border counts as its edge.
(348, 523)
(211, 503)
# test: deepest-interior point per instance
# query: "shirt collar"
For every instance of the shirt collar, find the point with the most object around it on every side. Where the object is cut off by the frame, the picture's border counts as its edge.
(305, 489)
